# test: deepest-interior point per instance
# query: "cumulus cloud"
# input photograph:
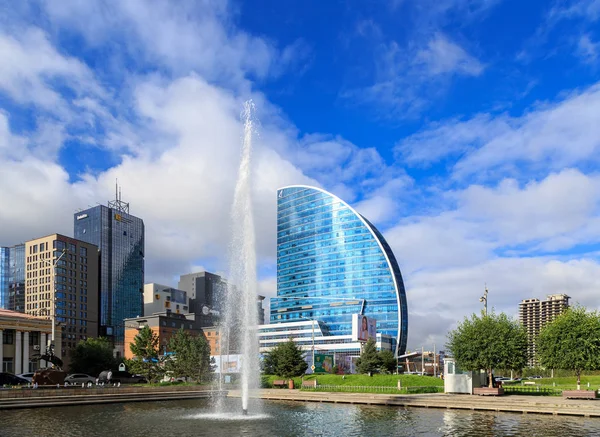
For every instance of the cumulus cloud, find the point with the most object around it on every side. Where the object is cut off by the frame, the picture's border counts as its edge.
(439, 299)
(180, 37)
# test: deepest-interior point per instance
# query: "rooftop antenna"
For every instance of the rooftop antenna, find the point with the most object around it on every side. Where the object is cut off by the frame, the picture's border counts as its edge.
(118, 204)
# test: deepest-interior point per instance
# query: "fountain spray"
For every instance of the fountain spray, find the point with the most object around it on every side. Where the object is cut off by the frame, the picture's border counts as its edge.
(240, 315)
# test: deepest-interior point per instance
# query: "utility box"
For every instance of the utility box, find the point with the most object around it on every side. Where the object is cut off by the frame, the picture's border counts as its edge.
(457, 380)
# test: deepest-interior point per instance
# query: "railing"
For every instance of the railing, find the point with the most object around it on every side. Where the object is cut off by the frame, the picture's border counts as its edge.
(52, 391)
(375, 389)
(532, 391)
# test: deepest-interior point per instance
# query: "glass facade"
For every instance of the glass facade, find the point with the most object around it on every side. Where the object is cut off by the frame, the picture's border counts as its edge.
(120, 238)
(330, 262)
(4, 272)
(12, 278)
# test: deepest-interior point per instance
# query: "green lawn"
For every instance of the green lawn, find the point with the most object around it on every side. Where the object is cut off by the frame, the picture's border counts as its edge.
(363, 380)
(568, 382)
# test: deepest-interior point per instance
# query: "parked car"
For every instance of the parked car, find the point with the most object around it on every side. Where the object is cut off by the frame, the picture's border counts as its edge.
(10, 379)
(27, 376)
(534, 377)
(123, 378)
(79, 378)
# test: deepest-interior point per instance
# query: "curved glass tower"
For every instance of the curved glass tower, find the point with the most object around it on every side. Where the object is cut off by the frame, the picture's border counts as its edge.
(332, 263)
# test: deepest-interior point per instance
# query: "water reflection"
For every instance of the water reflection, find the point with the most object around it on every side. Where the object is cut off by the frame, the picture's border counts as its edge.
(196, 418)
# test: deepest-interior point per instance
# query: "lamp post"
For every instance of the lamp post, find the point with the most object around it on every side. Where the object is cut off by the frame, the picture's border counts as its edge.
(313, 340)
(53, 265)
(484, 300)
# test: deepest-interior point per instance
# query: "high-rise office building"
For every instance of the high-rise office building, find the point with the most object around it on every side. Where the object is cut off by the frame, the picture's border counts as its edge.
(203, 289)
(61, 280)
(120, 238)
(333, 263)
(12, 278)
(535, 314)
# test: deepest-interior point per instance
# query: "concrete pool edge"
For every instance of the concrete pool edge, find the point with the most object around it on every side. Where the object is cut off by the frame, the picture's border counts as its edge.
(64, 401)
(508, 404)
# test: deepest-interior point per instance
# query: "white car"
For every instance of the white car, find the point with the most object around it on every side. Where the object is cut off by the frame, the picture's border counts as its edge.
(27, 376)
(79, 378)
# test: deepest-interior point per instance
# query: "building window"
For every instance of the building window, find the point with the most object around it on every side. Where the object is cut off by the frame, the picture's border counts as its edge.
(7, 365)
(83, 251)
(34, 338)
(72, 248)
(8, 336)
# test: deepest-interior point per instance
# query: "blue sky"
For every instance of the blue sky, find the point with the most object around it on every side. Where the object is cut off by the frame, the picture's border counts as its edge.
(466, 130)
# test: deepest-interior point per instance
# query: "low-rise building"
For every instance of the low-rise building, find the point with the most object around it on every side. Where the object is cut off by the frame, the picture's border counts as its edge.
(164, 324)
(307, 334)
(23, 337)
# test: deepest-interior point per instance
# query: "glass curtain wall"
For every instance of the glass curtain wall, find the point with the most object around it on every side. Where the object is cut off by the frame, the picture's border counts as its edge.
(330, 260)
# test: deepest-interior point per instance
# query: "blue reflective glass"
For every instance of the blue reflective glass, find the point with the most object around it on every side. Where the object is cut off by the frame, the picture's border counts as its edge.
(327, 251)
(120, 238)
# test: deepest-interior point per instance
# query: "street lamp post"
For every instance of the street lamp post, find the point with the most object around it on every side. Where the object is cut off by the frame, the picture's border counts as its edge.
(313, 340)
(484, 300)
(53, 265)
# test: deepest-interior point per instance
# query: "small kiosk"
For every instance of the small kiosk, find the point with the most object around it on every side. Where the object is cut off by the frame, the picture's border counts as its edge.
(457, 380)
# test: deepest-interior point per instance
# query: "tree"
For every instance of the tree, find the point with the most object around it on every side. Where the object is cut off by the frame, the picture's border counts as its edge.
(145, 349)
(571, 342)
(488, 342)
(388, 362)
(269, 363)
(369, 360)
(92, 356)
(286, 360)
(191, 356)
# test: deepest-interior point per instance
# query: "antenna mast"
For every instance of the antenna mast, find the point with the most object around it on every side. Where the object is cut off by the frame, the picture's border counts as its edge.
(118, 204)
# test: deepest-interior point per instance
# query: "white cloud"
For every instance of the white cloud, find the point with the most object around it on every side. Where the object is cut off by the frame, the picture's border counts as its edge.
(442, 56)
(439, 299)
(588, 49)
(587, 9)
(449, 138)
(181, 37)
(408, 77)
(517, 239)
(31, 69)
(550, 136)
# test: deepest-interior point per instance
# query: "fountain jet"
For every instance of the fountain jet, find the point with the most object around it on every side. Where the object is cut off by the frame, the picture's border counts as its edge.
(240, 315)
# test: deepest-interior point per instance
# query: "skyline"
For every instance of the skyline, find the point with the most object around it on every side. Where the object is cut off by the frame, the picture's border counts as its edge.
(466, 134)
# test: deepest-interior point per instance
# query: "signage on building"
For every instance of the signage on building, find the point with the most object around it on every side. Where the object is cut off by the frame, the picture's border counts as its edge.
(118, 217)
(81, 216)
(363, 328)
(323, 363)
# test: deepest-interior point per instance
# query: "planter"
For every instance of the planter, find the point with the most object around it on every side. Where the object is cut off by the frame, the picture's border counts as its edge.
(579, 394)
(487, 391)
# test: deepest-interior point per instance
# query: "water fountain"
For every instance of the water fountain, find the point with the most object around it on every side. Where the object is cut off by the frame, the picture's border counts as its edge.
(239, 315)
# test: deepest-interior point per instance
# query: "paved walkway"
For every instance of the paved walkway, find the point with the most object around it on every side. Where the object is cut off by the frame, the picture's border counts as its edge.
(92, 398)
(514, 403)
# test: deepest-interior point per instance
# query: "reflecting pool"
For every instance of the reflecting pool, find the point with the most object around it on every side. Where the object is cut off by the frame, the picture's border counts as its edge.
(197, 418)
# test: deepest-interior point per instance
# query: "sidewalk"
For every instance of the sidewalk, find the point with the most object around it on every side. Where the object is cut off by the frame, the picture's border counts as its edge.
(514, 404)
